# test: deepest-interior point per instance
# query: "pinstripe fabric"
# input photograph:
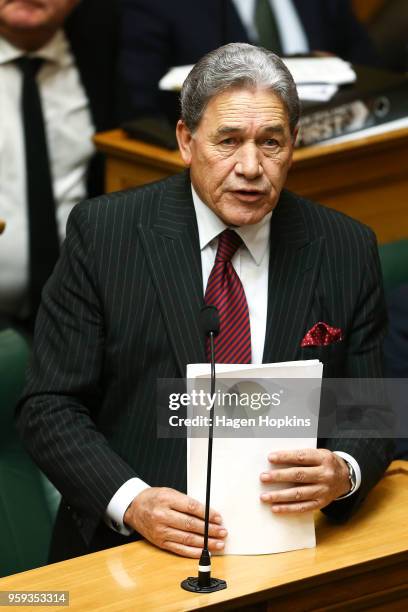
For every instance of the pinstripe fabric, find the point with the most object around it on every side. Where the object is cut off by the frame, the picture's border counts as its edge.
(121, 310)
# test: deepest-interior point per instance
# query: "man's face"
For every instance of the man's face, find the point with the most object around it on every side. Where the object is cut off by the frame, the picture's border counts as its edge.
(26, 15)
(240, 154)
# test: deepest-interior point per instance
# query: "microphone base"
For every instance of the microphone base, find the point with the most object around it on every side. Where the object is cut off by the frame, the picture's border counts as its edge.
(191, 584)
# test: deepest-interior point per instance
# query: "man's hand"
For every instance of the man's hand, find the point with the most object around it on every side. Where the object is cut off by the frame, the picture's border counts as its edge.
(173, 521)
(317, 478)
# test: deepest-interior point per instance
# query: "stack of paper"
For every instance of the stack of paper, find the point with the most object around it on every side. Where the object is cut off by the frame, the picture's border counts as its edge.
(309, 70)
(237, 465)
(317, 78)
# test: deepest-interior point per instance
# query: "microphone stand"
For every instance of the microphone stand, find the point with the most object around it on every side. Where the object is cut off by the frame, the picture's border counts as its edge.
(204, 583)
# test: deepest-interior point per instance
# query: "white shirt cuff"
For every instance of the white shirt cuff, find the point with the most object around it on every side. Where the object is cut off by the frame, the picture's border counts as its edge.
(119, 503)
(356, 469)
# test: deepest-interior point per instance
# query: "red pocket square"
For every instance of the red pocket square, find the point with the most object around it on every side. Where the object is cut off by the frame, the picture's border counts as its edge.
(322, 334)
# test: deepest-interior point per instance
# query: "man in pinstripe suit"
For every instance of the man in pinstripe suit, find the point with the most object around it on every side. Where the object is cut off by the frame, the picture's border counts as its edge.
(121, 310)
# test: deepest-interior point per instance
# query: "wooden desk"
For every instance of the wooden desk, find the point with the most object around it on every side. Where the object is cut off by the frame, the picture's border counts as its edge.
(362, 565)
(366, 178)
(365, 10)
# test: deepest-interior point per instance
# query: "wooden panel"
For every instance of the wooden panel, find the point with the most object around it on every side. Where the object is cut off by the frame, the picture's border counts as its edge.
(352, 592)
(116, 143)
(382, 207)
(123, 174)
(363, 179)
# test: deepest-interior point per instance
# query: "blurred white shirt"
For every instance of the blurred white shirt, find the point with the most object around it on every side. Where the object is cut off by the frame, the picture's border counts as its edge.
(291, 31)
(69, 131)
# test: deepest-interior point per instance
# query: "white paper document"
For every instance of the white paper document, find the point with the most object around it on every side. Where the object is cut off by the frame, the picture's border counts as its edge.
(173, 79)
(238, 463)
(317, 78)
(322, 92)
(320, 70)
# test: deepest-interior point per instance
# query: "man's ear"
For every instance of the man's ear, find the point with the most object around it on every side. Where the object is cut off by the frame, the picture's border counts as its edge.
(184, 139)
(295, 135)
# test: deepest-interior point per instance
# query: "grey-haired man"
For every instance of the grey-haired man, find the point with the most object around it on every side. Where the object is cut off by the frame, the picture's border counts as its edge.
(121, 310)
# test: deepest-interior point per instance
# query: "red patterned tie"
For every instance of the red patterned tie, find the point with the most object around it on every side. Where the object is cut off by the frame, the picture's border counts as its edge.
(226, 293)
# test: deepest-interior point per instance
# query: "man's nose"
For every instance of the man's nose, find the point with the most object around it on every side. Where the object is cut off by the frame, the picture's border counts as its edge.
(248, 161)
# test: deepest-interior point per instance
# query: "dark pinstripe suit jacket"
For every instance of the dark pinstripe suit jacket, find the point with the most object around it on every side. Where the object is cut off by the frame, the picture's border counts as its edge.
(121, 310)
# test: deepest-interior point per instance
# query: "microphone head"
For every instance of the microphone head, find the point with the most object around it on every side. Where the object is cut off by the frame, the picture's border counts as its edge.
(209, 320)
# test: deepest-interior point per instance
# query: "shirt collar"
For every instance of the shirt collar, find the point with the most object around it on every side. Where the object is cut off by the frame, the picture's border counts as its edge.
(255, 237)
(54, 51)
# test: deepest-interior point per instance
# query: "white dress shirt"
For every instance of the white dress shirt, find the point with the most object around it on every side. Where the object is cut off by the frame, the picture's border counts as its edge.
(291, 31)
(251, 263)
(69, 131)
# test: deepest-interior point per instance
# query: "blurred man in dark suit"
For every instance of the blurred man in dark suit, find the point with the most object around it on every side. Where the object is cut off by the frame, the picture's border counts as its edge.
(396, 359)
(158, 34)
(388, 29)
(58, 85)
(292, 280)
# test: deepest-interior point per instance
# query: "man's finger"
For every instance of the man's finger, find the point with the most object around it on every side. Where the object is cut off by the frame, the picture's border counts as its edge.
(188, 505)
(188, 523)
(293, 475)
(296, 508)
(182, 550)
(192, 540)
(303, 456)
(293, 494)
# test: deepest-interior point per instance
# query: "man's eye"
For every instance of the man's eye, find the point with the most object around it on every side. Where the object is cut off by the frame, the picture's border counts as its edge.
(270, 142)
(229, 141)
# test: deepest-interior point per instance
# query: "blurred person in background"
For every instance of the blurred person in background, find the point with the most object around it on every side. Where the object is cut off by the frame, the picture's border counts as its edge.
(158, 35)
(396, 359)
(58, 84)
(388, 29)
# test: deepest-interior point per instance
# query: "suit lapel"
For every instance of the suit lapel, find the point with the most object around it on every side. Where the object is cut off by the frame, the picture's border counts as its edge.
(171, 245)
(172, 248)
(293, 270)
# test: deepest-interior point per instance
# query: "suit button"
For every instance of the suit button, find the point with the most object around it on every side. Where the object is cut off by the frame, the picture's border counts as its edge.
(69, 508)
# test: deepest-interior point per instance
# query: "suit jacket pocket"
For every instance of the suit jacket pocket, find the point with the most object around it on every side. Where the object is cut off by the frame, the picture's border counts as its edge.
(332, 356)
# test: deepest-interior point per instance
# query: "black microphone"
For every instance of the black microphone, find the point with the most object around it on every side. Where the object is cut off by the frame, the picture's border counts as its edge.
(204, 583)
(209, 320)
(210, 327)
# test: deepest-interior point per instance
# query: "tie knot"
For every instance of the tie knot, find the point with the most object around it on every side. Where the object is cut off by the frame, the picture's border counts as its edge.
(29, 66)
(228, 244)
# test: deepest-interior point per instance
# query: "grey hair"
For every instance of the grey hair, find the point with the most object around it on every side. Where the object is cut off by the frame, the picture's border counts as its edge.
(237, 65)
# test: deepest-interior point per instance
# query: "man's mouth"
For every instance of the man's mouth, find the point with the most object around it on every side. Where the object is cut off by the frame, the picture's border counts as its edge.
(33, 4)
(29, 2)
(248, 195)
